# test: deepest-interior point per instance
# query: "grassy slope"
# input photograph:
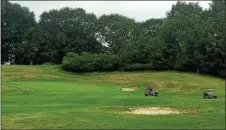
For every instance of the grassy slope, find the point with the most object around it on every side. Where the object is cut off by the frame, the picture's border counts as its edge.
(46, 97)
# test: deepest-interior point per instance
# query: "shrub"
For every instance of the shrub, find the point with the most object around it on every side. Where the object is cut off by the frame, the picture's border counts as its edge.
(89, 62)
(138, 67)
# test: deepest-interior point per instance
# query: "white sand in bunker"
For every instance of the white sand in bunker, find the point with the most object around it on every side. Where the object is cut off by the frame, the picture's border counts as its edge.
(154, 111)
(128, 89)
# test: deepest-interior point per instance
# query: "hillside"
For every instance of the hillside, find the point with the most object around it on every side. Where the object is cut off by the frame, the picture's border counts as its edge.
(46, 97)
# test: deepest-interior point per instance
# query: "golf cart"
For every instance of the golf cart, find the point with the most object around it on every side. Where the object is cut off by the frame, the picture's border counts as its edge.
(209, 94)
(150, 92)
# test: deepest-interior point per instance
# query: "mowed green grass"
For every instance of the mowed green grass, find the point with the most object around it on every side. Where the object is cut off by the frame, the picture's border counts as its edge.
(38, 97)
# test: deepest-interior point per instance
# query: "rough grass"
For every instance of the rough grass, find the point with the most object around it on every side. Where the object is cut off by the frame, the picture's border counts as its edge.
(41, 97)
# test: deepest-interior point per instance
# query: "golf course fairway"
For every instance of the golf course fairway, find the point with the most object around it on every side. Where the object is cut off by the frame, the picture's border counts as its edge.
(44, 96)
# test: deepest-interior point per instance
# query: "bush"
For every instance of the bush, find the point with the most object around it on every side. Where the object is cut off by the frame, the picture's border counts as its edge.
(89, 62)
(138, 67)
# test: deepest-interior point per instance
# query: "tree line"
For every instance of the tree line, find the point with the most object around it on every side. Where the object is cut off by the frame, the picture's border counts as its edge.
(189, 38)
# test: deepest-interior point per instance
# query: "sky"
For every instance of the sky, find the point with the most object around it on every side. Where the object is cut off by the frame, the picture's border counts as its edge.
(138, 10)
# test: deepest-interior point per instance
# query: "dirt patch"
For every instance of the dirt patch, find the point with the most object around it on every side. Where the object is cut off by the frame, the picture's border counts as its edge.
(155, 111)
(28, 77)
(155, 84)
(128, 89)
(123, 79)
(193, 84)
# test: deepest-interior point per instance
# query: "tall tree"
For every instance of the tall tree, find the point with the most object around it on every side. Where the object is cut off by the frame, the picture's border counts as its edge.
(116, 30)
(68, 30)
(215, 33)
(145, 44)
(180, 35)
(16, 21)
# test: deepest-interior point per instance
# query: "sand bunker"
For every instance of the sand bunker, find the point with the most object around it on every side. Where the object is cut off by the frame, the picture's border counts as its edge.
(154, 111)
(128, 89)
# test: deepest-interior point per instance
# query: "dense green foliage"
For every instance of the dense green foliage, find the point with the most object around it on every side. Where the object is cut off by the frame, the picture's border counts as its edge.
(44, 97)
(188, 39)
(137, 67)
(89, 62)
(16, 22)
